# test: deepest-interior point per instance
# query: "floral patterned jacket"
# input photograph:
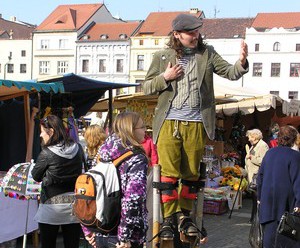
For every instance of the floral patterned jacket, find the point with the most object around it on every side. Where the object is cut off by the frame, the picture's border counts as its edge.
(133, 172)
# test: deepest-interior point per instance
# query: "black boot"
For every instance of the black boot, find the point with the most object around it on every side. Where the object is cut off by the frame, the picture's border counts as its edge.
(187, 227)
(167, 229)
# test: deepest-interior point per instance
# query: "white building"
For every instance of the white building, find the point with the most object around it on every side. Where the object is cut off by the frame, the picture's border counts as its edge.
(54, 40)
(103, 52)
(274, 61)
(274, 49)
(15, 49)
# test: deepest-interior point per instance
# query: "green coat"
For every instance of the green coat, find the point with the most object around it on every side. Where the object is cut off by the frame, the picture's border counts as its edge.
(208, 62)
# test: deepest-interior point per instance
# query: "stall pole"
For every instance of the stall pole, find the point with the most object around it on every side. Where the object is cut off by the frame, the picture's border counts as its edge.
(236, 195)
(27, 115)
(26, 225)
(156, 206)
(110, 110)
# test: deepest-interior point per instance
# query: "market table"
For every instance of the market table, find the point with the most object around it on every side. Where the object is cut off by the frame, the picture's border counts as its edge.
(13, 217)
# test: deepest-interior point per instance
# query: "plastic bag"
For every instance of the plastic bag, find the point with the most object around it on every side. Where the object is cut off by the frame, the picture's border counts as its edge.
(255, 235)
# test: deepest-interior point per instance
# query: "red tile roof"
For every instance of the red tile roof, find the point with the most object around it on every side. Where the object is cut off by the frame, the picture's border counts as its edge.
(272, 20)
(19, 31)
(222, 28)
(69, 17)
(112, 30)
(160, 23)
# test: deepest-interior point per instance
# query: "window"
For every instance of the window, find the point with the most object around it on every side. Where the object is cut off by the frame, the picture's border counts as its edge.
(103, 36)
(22, 68)
(44, 44)
(275, 69)
(257, 69)
(23, 53)
(62, 67)
(102, 65)
(63, 43)
(119, 65)
(44, 67)
(123, 36)
(140, 62)
(10, 68)
(256, 47)
(297, 47)
(156, 42)
(85, 65)
(276, 46)
(274, 92)
(138, 88)
(293, 95)
(119, 91)
(141, 42)
(294, 69)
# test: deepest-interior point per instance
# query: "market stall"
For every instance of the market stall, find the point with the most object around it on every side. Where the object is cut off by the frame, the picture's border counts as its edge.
(17, 215)
(68, 92)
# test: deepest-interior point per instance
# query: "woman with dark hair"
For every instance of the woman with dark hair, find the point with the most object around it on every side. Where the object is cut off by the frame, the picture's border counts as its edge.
(278, 187)
(57, 167)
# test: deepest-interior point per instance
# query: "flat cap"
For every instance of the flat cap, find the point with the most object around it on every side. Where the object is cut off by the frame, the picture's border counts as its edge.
(186, 22)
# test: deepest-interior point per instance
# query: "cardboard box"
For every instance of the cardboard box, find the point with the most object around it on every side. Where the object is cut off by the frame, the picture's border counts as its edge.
(215, 207)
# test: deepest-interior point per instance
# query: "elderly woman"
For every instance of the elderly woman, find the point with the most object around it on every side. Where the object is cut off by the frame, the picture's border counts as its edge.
(253, 160)
(278, 187)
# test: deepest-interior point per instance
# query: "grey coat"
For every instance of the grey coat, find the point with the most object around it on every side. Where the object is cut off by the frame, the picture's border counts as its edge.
(208, 62)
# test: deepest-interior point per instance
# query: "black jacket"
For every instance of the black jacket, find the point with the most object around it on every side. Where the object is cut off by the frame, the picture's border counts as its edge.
(57, 172)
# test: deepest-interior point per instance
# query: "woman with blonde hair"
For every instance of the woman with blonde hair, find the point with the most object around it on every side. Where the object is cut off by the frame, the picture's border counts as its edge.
(94, 137)
(253, 160)
(128, 134)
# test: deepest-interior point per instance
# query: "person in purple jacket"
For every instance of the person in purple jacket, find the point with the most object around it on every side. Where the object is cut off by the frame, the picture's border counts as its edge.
(278, 187)
(128, 134)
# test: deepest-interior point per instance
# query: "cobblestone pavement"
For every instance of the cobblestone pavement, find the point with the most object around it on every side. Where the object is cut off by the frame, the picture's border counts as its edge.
(229, 233)
(222, 231)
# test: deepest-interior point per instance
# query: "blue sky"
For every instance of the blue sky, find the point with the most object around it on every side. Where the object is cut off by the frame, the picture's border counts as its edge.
(35, 11)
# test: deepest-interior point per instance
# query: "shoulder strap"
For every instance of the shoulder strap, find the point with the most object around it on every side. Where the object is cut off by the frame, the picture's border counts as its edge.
(83, 157)
(121, 159)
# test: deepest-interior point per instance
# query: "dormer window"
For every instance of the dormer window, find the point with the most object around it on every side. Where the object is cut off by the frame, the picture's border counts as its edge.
(276, 46)
(103, 36)
(123, 36)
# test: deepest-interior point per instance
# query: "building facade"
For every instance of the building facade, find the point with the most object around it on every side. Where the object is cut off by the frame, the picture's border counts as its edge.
(54, 40)
(15, 49)
(103, 52)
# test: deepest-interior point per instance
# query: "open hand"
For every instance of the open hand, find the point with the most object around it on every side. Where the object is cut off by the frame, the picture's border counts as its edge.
(243, 52)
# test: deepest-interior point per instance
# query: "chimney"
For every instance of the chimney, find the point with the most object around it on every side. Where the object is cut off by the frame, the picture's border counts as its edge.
(0, 15)
(11, 32)
(194, 10)
(13, 19)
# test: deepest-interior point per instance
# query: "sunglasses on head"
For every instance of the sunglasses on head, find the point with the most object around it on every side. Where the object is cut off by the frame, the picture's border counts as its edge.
(45, 122)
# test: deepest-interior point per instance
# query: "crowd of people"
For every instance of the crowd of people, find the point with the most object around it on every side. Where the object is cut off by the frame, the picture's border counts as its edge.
(182, 76)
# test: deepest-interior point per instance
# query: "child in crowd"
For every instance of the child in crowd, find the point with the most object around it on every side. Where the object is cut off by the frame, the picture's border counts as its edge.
(94, 136)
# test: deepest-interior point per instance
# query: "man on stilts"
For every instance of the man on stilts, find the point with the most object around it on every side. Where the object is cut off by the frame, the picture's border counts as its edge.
(182, 76)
